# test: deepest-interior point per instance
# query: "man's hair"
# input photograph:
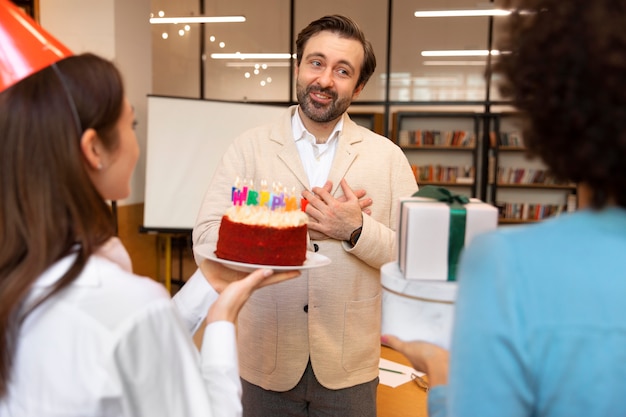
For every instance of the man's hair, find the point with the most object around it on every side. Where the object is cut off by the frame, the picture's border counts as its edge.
(345, 28)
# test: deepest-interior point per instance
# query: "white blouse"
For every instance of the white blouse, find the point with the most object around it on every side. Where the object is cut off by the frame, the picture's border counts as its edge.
(114, 344)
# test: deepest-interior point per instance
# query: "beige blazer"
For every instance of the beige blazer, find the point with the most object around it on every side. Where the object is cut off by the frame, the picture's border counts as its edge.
(332, 313)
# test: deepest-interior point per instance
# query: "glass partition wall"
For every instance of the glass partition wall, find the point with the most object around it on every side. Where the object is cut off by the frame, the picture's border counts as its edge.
(430, 75)
(414, 69)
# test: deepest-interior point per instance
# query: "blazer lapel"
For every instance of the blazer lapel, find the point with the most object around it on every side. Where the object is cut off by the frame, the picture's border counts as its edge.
(345, 154)
(290, 156)
(289, 153)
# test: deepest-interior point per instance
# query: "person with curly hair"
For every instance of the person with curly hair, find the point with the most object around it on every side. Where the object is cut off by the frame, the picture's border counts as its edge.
(540, 324)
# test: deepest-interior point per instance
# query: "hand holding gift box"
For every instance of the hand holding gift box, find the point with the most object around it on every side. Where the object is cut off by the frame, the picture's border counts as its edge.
(419, 290)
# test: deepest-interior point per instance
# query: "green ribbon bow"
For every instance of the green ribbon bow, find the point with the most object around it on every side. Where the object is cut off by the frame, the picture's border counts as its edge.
(458, 219)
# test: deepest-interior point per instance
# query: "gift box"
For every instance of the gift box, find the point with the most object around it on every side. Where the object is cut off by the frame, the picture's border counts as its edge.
(434, 226)
(417, 309)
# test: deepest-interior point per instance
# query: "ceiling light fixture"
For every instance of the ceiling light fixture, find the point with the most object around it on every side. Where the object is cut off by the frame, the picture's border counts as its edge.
(198, 19)
(238, 55)
(464, 52)
(252, 64)
(454, 63)
(462, 13)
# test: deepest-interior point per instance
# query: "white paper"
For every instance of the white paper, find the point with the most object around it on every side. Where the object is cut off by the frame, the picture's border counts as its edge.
(394, 379)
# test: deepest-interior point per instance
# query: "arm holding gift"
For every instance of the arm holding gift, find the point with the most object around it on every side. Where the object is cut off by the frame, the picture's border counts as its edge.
(435, 226)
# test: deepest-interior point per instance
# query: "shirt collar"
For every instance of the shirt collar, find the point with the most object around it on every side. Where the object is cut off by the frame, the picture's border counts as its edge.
(113, 250)
(300, 132)
(58, 269)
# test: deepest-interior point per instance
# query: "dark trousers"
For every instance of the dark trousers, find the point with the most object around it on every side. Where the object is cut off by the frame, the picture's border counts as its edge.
(310, 399)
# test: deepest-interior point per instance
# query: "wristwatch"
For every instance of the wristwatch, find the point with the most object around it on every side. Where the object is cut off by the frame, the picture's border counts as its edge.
(355, 235)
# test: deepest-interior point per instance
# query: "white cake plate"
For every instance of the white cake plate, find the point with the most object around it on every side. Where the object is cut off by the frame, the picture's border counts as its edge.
(313, 260)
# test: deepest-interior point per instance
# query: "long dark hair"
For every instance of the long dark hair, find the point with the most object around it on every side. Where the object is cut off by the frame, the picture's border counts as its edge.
(49, 206)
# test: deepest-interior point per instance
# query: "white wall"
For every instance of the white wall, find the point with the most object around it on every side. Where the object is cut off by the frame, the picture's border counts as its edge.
(133, 54)
(118, 30)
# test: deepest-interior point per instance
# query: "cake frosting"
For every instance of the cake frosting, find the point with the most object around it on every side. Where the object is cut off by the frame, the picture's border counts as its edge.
(263, 216)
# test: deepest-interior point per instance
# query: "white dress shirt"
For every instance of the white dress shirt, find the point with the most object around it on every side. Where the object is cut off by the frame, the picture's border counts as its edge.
(113, 344)
(317, 158)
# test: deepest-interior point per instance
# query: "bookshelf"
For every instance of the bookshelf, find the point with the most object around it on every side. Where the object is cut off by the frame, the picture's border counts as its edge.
(477, 154)
(442, 147)
(520, 186)
(371, 120)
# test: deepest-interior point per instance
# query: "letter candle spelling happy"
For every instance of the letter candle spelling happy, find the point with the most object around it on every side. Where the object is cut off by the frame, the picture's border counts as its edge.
(277, 199)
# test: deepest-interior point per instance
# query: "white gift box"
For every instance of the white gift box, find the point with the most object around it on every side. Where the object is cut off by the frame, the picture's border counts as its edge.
(417, 309)
(423, 232)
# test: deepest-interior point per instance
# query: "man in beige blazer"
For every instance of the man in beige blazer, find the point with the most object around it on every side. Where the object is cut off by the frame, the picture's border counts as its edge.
(311, 346)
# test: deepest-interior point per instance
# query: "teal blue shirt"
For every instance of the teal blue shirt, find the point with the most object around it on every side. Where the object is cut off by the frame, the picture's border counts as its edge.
(540, 322)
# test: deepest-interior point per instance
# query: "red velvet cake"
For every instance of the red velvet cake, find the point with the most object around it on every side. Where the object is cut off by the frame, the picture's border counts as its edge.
(256, 235)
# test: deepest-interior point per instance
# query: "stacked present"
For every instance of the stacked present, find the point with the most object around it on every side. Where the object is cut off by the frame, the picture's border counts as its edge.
(419, 289)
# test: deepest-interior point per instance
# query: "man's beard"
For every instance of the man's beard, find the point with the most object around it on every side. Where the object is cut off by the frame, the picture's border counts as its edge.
(316, 111)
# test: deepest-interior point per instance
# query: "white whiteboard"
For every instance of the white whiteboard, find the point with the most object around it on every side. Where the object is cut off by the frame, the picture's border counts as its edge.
(186, 141)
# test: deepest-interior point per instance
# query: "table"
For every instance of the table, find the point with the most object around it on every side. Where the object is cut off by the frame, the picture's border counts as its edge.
(406, 400)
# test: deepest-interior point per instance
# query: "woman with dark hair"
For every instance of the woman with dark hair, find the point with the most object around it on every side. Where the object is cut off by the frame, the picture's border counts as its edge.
(540, 324)
(80, 335)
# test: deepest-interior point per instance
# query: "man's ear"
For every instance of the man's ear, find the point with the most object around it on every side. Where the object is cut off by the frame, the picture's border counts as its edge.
(92, 149)
(357, 91)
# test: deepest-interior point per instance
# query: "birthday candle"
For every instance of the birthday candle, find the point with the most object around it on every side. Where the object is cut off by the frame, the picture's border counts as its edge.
(290, 202)
(253, 198)
(240, 196)
(264, 194)
(277, 201)
(265, 198)
(234, 190)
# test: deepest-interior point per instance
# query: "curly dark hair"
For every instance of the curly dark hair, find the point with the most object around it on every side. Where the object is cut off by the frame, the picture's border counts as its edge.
(563, 65)
(346, 28)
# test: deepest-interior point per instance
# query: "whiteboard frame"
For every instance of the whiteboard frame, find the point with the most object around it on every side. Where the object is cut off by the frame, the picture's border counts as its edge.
(185, 143)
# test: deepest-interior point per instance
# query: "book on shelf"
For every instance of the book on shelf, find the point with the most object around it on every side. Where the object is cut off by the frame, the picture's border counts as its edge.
(455, 138)
(439, 173)
(528, 211)
(493, 139)
(572, 203)
(513, 139)
(511, 175)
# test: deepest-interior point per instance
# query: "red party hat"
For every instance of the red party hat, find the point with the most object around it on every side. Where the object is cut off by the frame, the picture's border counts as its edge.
(25, 47)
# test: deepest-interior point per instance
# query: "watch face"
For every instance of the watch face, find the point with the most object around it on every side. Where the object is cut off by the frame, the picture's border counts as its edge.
(354, 237)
